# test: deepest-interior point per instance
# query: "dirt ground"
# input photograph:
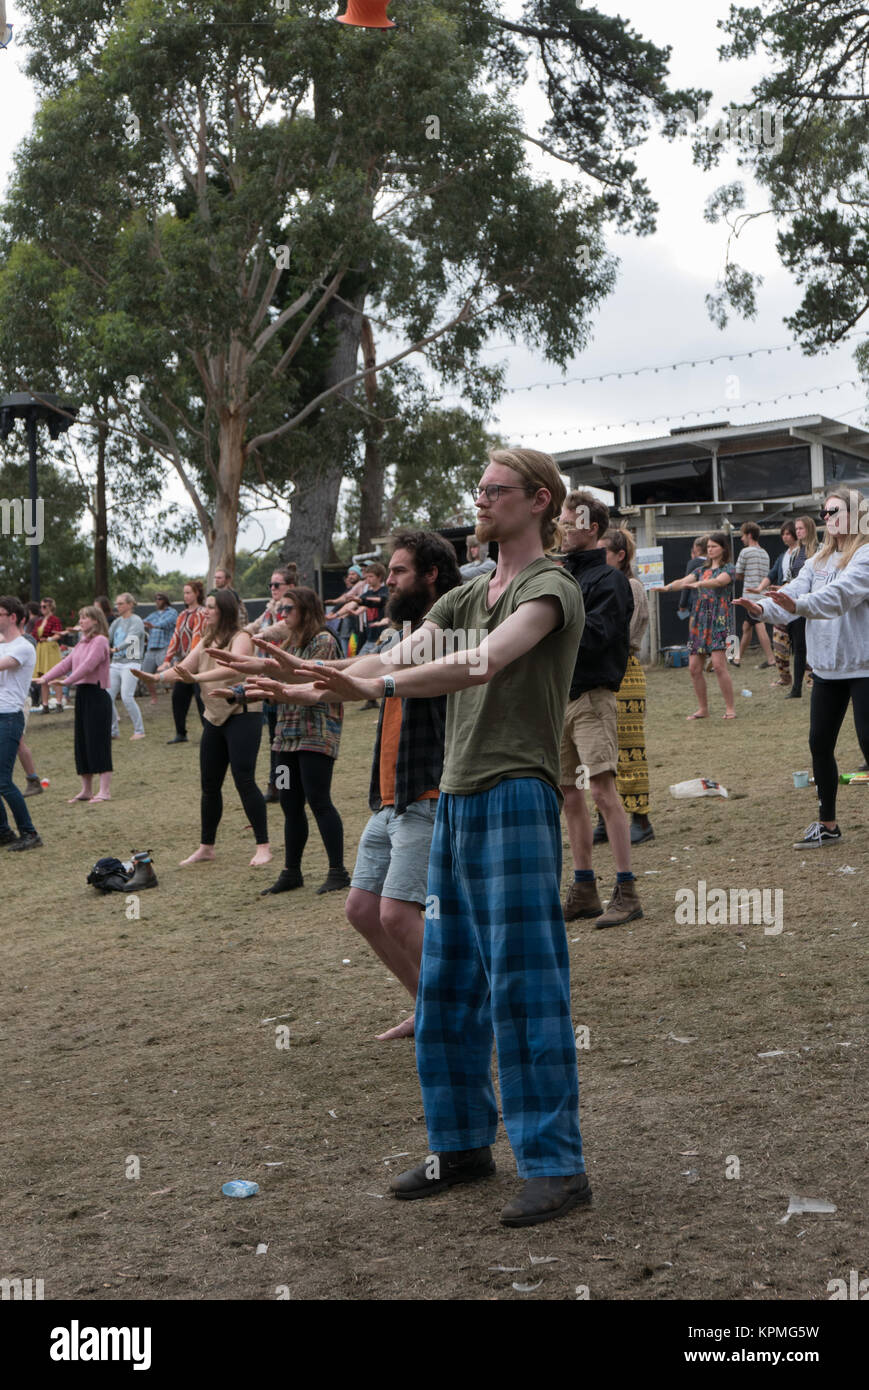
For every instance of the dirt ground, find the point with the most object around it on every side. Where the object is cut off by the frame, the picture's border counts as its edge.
(155, 1040)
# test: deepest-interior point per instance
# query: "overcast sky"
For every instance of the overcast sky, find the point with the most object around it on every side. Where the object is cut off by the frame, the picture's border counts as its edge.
(657, 313)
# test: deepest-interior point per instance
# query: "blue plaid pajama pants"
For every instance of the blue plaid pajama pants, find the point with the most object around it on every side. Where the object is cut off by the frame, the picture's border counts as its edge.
(495, 962)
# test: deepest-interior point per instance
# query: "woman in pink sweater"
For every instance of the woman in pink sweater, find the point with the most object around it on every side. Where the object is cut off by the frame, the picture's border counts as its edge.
(87, 668)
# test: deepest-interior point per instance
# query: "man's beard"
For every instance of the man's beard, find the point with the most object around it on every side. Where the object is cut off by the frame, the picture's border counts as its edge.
(410, 606)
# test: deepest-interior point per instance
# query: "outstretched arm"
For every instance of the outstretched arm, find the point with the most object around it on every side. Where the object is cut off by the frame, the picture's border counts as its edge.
(531, 622)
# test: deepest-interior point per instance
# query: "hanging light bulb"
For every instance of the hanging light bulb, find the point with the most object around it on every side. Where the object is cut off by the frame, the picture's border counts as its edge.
(367, 14)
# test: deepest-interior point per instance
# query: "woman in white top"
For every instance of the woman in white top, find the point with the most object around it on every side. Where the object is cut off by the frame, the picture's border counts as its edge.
(632, 775)
(832, 592)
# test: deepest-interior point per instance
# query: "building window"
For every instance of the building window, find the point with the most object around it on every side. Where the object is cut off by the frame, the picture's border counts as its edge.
(840, 467)
(772, 473)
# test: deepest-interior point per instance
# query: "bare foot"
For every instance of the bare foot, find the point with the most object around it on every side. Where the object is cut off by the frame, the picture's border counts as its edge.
(401, 1030)
(133, 736)
(263, 856)
(99, 797)
(82, 796)
(698, 714)
(199, 856)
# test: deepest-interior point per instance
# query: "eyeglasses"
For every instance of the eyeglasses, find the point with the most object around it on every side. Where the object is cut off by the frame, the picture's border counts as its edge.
(834, 511)
(493, 490)
(278, 584)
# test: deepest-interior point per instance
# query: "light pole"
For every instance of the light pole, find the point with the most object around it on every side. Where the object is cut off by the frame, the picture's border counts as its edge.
(58, 415)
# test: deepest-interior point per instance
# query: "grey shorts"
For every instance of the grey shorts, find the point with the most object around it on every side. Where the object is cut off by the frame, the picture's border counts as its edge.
(392, 860)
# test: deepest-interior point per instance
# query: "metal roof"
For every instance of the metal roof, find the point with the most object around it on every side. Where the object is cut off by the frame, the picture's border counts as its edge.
(684, 446)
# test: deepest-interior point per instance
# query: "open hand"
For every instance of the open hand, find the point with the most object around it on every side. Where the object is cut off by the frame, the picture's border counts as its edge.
(340, 685)
(250, 665)
(783, 600)
(280, 662)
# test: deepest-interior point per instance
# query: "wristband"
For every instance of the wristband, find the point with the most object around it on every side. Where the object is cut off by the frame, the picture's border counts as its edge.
(388, 686)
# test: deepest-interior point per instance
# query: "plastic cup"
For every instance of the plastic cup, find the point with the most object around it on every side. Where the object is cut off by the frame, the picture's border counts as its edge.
(801, 779)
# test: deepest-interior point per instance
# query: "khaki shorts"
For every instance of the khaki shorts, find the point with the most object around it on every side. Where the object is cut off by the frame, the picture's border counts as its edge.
(589, 737)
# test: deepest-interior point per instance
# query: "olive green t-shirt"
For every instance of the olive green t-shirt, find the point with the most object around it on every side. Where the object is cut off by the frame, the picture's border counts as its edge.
(511, 726)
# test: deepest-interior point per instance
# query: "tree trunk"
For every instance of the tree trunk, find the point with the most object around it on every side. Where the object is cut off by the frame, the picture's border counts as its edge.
(314, 501)
(221, 549)
(101, 520)
(371, 488)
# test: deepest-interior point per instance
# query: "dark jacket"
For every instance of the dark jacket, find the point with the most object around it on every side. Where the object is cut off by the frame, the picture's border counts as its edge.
(609, 606)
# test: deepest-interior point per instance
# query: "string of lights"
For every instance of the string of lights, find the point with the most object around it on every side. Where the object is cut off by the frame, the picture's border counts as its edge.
(687, 415)
(654, 368)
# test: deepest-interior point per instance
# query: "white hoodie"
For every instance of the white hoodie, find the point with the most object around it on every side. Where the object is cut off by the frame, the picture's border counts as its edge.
(836, 603)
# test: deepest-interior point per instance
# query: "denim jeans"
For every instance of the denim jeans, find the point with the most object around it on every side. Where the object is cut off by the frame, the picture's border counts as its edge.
(122, 680)
(11, 729)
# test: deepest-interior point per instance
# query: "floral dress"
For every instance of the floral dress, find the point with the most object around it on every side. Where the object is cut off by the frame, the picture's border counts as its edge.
(710, 624)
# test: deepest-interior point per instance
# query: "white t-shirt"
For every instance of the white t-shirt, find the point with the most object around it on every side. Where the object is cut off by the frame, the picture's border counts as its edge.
(15, 682)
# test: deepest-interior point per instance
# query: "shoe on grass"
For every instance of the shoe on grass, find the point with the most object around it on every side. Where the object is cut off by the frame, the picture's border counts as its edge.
(34, 787)
(817, 835)
(641, 833)
(544, 1199)
(440, 1171)
(7, 836)
(286, 880)
(335, 879)
(29, 840)
(583, 900)
(624, 906)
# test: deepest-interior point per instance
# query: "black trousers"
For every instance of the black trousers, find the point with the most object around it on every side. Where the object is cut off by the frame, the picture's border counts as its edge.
(797, 630)
(182, 694)
(829, 706)
(309, 778)
(234, 745)
(92, 735)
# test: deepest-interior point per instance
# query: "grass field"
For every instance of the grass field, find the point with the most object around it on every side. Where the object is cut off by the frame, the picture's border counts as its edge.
(150, 1045)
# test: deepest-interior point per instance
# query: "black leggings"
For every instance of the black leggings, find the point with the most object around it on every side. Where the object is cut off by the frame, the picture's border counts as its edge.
(182, 694)
(797, 630)
(829, 706)
(234, 744)
(271, 714)
(310, 779)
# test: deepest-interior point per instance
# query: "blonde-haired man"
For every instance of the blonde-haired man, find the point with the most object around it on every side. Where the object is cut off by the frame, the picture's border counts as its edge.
(495, 961)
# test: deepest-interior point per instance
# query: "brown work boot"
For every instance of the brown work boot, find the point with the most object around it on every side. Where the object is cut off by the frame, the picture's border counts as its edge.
(583, 900)
(624, 906)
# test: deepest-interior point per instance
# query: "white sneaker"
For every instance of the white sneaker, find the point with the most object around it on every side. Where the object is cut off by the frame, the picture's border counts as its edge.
(53, 705)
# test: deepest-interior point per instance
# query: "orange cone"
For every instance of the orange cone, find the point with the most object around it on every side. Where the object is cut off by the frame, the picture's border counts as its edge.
(367, 14)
